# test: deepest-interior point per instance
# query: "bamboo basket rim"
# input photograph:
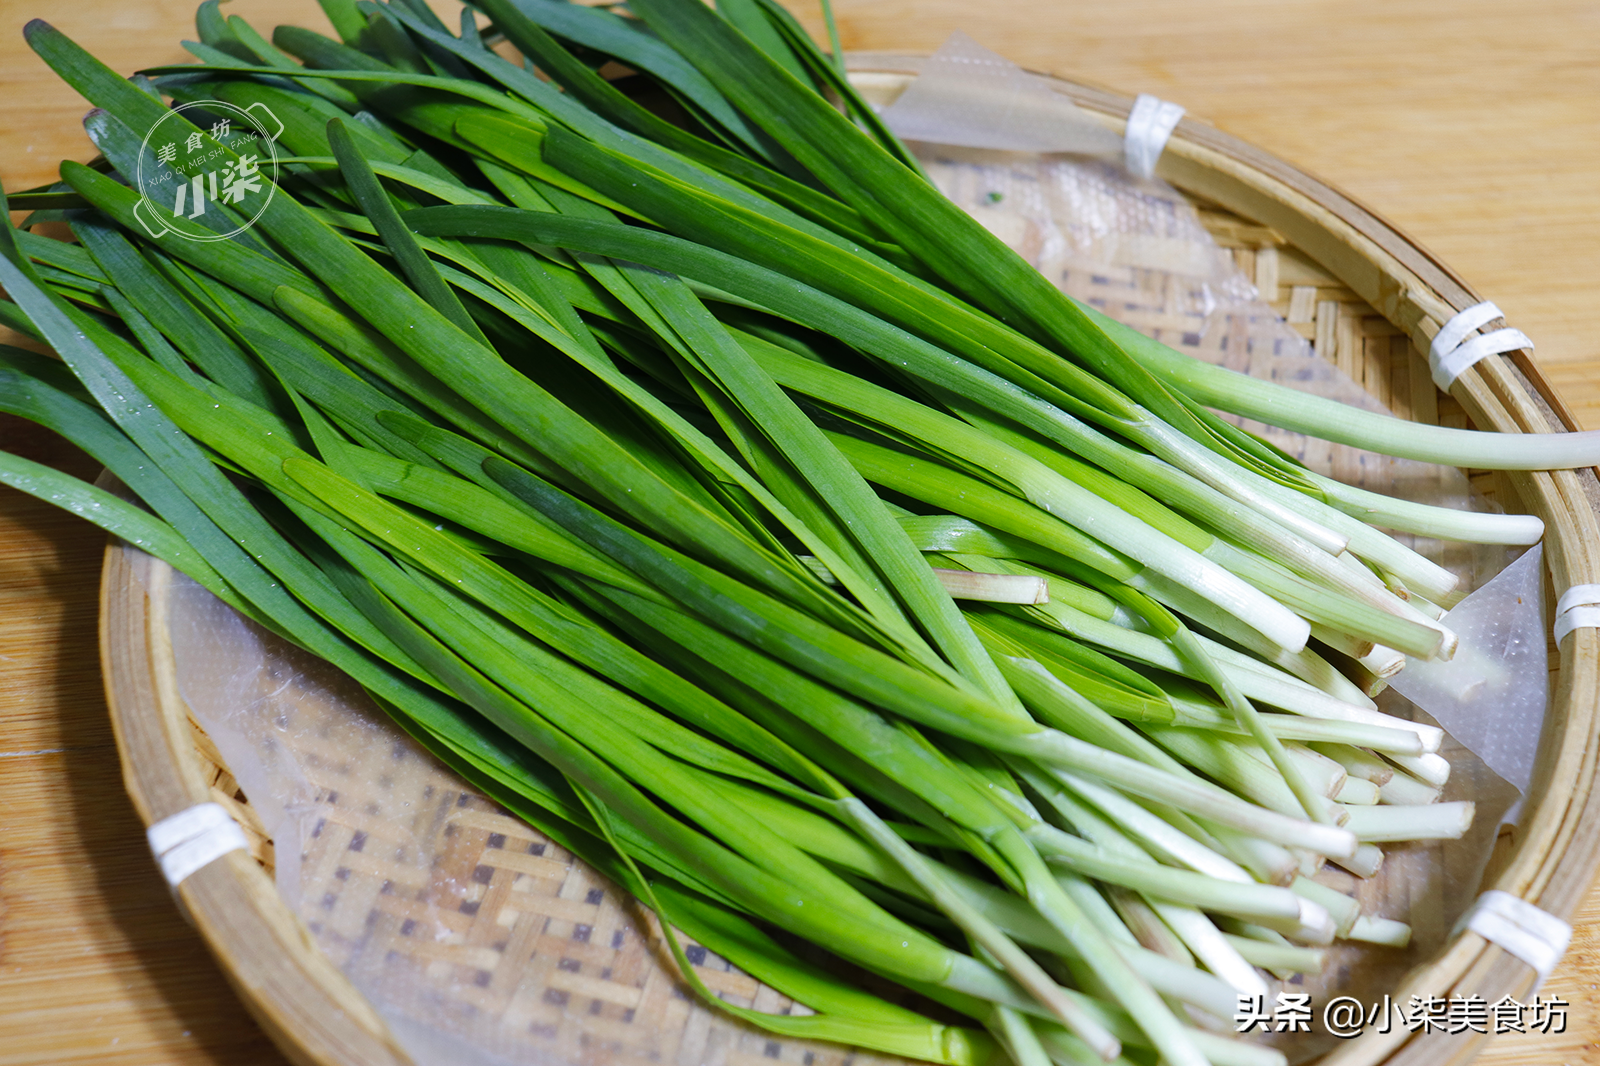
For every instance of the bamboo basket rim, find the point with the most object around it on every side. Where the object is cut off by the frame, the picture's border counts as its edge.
(317, 1018)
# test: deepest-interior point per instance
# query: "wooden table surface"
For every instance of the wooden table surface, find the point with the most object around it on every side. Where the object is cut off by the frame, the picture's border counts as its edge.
(1474, 125)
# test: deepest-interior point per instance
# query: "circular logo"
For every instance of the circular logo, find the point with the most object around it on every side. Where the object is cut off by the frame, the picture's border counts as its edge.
(211, 182)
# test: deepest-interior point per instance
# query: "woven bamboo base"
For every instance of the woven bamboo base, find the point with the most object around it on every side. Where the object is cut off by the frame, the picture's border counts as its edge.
(575, 963)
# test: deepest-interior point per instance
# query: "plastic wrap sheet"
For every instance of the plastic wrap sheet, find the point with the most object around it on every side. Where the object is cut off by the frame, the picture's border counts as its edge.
(482, 942)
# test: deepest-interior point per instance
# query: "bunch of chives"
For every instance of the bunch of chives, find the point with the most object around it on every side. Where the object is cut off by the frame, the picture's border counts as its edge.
(725, 502)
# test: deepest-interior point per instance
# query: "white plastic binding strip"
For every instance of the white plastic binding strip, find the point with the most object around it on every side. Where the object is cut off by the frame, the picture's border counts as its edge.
(190, 839)
(1150, 124)
(1578, 608)
(1455, 349)
(1532, 935)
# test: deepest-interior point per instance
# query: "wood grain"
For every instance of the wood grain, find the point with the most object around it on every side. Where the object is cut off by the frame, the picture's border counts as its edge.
(1471, 125)
(96, 965)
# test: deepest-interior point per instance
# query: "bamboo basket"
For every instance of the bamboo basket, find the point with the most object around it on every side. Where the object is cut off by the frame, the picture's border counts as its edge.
(1337, 272)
